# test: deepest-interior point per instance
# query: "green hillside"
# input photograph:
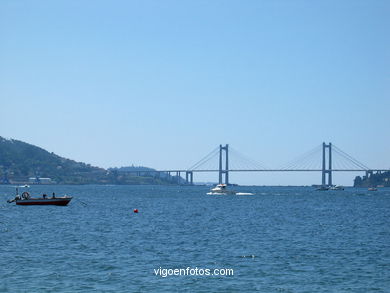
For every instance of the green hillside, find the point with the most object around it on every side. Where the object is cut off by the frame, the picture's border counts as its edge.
(20, 161)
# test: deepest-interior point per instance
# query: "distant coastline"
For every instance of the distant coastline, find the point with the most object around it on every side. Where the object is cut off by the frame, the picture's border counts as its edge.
(23, 163)
(380, 179)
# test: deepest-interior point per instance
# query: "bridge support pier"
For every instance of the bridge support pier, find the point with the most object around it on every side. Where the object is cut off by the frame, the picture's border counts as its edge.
(326, 170)
(190, 176)
(226, 170)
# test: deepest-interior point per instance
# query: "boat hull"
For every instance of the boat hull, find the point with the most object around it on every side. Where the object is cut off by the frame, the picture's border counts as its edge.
(221, 193)
(47, 201)
(230, 193)
(221, 189)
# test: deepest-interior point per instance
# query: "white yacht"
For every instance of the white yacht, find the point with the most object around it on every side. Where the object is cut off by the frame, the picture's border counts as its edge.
(221, 189)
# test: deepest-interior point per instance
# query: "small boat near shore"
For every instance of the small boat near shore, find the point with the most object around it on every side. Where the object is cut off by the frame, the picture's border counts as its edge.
(337, 187)
(221, 189)
(59, 201)
(26, 199)
(330, 187)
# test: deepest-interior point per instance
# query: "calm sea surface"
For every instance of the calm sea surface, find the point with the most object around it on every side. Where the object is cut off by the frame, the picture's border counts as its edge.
(283, 239)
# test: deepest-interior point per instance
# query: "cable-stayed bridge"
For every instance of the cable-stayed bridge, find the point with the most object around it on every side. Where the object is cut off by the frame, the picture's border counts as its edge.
(325, 158)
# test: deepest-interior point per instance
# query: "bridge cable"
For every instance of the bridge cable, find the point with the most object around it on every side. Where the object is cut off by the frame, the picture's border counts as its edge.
(307, 159)
(205, 159)
(350, 158)
(244, 162)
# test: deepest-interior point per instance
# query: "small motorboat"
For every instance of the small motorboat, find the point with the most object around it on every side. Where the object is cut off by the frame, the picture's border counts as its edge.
(372, 189)
(221, 189)
(337, 187)
(26, 199)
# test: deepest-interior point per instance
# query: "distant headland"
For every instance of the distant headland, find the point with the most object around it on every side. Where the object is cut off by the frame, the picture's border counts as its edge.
(23, 163)
(380, 179)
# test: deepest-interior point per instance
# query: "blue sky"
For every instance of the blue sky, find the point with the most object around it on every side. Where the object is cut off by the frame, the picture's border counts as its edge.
(161, 83)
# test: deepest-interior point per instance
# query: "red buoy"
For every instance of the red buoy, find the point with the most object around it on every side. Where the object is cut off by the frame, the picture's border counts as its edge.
(135, 210)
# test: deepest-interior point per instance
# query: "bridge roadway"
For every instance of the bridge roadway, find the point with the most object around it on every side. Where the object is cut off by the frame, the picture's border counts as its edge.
(189, 179)
(260, 170)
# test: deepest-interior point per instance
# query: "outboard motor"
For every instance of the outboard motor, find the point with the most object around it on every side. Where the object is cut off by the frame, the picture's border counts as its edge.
(25, 195)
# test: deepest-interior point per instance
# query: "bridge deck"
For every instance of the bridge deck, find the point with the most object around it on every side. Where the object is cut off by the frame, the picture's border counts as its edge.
(262, 170)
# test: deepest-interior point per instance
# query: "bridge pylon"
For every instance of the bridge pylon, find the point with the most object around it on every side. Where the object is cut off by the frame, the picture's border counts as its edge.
(224, 171)
(190, 176)
(326, 168)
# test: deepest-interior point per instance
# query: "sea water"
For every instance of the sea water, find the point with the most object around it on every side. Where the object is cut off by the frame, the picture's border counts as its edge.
(282, 239)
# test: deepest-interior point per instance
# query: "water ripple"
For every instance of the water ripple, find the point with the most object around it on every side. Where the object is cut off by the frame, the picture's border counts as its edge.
(280, 240)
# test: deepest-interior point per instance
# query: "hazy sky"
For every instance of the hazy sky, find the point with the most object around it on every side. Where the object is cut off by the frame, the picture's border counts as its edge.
(162, 83)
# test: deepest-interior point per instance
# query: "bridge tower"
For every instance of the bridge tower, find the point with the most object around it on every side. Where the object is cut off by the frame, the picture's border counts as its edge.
(190, 175)
(226, 170)
(326, 169)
